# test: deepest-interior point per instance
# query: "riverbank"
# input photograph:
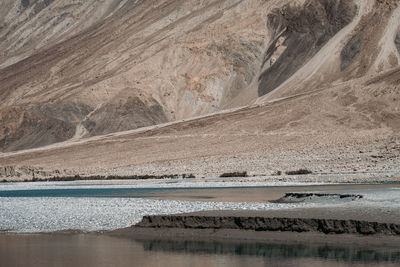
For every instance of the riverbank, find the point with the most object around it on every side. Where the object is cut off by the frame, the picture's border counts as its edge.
(332, 214)
(338, 220)
(94, 206)
(312, 223)
(336, 225)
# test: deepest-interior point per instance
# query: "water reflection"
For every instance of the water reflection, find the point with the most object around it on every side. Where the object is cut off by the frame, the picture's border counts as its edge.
(102, 250)
(277, 251)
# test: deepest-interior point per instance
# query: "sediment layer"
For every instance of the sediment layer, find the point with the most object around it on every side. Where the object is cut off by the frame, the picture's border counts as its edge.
(300, 197)
(326, 226)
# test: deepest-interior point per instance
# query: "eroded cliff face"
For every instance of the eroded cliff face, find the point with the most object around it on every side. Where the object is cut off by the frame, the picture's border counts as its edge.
(370, 40)
(96, 67)
(326, 226)
(363, 41)
(300, 31)
(125, 111)
(20, 127)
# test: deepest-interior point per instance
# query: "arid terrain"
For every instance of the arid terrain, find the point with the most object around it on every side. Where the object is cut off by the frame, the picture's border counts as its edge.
(199, 87)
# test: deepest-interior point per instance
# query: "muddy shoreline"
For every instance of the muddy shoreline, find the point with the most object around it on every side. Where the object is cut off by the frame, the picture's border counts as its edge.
(350, 218)
(336, 224)
(208, 226)
(275, 224)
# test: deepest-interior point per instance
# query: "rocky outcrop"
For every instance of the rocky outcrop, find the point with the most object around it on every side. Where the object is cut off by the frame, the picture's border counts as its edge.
(301, 197)
(126, 111)
(302, 31)
(21, 129)
(28, 173)
(326, 226)
(350, 51)
(397, 41)
(362, 50)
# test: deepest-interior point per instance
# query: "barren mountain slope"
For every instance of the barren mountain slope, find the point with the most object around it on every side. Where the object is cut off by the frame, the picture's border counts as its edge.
(350, 128)
(366, 46)
(178, 58)
(321, 77)
(27, 26)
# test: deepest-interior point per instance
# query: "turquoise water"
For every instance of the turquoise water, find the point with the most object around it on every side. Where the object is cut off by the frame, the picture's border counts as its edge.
(82, 192)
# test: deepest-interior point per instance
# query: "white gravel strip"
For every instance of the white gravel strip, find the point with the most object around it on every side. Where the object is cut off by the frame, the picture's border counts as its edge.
(90, 214)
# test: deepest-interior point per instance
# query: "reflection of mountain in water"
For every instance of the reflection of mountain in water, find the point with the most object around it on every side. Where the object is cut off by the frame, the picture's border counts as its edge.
(276, 251)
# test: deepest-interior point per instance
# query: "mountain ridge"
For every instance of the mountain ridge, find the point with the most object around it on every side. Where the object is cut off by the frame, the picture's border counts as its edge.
(241, 83)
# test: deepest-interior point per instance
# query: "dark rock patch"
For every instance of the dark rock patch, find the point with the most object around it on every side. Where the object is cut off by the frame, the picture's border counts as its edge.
(301, 197)
(25, 3)
(350, 51)
(68, 111)
(299, 172)
(21, 129)
(397, 41)
(125, 113)
(361, 50)
(40, 124)
(354, 46)
(42, 5)
(305, 31)
(234, 174)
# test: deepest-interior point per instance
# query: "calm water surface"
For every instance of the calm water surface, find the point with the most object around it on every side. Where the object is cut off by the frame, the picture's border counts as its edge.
(102, 250)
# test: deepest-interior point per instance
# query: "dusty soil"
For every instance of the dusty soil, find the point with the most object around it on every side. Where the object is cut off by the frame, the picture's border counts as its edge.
(337, 113)
(71, 69)
(346, 135)
(118, 65)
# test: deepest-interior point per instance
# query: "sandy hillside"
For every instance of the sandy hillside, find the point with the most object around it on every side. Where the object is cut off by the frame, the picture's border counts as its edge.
(256, 86)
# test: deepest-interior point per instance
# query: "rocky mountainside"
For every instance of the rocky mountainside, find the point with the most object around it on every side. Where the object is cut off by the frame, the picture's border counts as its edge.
(306, 74)
(106, 66)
